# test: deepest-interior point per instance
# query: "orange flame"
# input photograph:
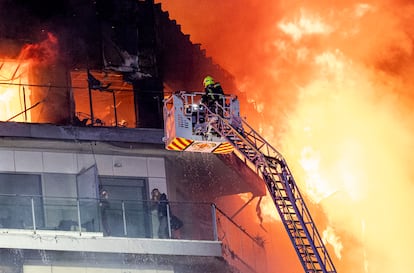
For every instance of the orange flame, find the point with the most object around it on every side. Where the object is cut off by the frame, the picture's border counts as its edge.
(331, 84)
(45, 52)
(15, 93)
(12, 94)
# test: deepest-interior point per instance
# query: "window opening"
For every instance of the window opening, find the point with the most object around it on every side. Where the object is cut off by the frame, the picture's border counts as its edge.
(127, 198)
(102, 99)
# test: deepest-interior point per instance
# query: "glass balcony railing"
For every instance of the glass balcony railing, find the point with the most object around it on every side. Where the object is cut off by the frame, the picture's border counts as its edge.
(119, 218)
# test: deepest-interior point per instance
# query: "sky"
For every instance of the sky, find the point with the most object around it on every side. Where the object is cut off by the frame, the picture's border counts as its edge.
(332, 89)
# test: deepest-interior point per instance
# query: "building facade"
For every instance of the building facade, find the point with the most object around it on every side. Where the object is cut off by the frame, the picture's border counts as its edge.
(51, 213)
(82, 85)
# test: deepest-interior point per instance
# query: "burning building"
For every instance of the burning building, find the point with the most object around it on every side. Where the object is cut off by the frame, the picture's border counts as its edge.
(82, 87)
(75, 61)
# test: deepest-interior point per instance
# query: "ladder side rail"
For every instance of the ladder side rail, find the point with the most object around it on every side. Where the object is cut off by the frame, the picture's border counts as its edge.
(251, 138)
(224, 128)
(317, 239)
(277, 193)
(301, 244)
(307, 221)
(227, 130)
(319, 249)
(282, 160)
(303, 211)
(291, 236)
(268, 150)
(304, 226)
(288, 217)
(251, 135)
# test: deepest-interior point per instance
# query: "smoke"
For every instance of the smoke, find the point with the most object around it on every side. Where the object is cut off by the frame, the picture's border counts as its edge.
(44, 52)
(331, 83)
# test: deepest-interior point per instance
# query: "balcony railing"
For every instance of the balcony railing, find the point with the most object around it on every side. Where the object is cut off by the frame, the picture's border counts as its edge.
(117, 218)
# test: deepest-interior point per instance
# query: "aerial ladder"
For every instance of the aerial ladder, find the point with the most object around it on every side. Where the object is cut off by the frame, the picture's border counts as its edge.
(192, 126)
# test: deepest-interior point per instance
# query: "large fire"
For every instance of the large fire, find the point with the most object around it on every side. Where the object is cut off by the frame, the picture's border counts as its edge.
(331, 83)
(29, 92)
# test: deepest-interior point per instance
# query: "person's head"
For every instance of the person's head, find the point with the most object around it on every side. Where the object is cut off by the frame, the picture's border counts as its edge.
(208, 80)
(155, 193)
(104, 193)
(163, 197)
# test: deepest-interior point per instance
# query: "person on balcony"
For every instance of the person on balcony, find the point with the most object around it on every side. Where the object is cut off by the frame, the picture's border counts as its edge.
(163, 213)
(175, 223)
(104, 207)
(154, 202)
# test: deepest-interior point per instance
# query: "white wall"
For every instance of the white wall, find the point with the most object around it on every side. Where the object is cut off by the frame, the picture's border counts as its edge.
(69, 269)
(28, 161)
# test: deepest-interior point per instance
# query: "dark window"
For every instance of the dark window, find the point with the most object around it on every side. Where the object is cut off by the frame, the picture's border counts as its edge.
(127, 199)
(16, 193)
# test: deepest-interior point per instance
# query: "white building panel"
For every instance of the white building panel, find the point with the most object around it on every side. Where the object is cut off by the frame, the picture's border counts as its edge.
(59, 185)
(159, 183)
(105, 164)
(7, 161)
(97, 269)
(28, 161)
(156, 167)
(130, 166)
(59, 163)
(49, 240)
(85, 161)
(101, 270)
(37, 269)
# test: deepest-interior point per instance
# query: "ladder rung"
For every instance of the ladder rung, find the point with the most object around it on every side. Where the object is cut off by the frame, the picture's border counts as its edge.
(299, 236)
(303, 247)
(306, 251)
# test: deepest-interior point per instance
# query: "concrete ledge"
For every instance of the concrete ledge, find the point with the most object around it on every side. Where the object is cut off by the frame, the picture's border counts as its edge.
(74, 241)
(50, 131)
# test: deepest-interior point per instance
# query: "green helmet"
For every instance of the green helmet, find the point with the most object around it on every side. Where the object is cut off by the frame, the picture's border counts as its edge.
(208, 80)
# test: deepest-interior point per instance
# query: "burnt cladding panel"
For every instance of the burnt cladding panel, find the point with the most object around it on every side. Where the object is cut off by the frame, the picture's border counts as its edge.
(73, 22)
(132, 23)
(148, 96)
(182, 64)
(80, 35)
(51, 94)
(25, 19)
(148, 90)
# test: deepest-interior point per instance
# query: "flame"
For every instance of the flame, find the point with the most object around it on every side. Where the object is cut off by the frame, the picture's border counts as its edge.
(13, 75)
(45, 52)
(15, 92)
(329, 236)
(331, 85)
(306, 24)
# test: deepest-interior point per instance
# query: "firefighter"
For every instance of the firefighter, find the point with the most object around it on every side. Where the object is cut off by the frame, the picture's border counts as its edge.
(213, 93)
